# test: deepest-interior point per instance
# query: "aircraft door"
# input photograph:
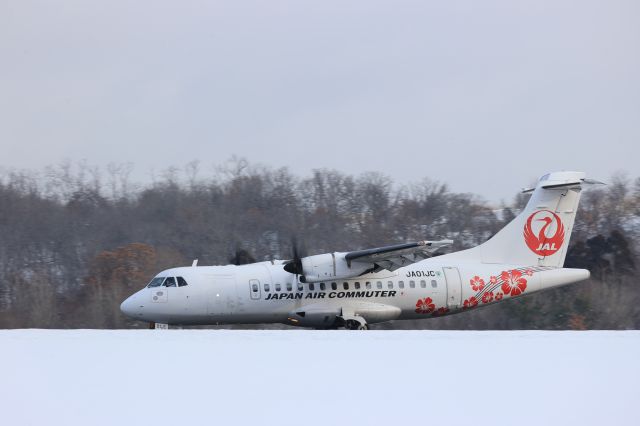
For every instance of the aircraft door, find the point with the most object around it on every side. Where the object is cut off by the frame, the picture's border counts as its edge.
(454, 287)
(254, 289)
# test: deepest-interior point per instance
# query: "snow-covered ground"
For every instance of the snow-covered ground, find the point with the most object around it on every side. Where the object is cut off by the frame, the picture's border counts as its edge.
(216, 377)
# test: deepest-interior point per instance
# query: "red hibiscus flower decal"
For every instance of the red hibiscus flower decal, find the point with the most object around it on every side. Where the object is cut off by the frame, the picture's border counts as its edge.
(425, 306)
(470, 302)
(493, 279)
(529, 272)
(487, 297)
(498, 296)
(440, 311)
(477, 283)
(513, 283)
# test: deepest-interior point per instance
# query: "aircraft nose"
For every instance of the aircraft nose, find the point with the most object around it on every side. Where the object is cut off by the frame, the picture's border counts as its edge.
(130, 307)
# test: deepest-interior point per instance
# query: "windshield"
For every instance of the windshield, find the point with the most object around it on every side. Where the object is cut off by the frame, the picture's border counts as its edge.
(156, 282)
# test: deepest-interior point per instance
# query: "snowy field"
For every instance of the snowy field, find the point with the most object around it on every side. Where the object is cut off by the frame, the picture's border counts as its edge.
(220, 377)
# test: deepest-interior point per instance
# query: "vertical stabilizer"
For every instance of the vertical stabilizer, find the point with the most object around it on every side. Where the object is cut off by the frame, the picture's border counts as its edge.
(540, 234)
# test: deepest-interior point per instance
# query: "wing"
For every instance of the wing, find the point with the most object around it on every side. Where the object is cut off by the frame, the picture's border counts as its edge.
(339, 265)
(396, 256)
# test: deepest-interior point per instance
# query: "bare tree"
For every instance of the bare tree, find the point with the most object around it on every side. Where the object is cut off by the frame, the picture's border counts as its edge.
(73, 246)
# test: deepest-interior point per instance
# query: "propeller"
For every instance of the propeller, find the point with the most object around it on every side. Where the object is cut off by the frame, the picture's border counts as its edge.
(294, 266)
(241, 257)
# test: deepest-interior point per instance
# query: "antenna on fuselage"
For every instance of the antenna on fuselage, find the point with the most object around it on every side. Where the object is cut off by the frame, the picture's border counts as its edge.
(195, 263)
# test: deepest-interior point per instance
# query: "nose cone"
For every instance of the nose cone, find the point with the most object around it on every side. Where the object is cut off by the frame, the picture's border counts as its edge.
(130, 307)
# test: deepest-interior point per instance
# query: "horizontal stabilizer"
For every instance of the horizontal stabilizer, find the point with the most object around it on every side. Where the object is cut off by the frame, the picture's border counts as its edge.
(560, 184)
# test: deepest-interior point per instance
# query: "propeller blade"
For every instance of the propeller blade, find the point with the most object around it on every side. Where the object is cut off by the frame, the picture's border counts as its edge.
(294, 266)
(241, 257)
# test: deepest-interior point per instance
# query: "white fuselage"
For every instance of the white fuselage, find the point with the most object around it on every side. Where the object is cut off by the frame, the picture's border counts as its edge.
(265, 293)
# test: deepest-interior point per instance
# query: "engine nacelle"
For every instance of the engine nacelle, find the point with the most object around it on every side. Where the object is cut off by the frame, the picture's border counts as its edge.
(331, 266)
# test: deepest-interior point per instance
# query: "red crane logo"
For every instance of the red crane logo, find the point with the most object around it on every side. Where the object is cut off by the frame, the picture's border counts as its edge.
(544, 244)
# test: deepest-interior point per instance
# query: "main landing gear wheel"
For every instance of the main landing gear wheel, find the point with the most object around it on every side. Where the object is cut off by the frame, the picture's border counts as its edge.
(355, 325)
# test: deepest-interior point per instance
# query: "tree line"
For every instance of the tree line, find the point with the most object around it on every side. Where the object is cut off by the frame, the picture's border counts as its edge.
(75, 240)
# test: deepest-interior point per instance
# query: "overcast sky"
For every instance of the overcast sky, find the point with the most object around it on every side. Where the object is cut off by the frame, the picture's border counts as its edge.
(484, 95)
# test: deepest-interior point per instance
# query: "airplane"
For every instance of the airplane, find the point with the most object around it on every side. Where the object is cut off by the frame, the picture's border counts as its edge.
(354, 289)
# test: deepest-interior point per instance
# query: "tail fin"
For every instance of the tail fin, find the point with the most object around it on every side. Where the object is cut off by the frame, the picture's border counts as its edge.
(540, 234)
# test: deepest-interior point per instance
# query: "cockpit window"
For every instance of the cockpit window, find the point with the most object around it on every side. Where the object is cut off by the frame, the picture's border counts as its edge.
(156, 282)
(181, 282)
(170, 282)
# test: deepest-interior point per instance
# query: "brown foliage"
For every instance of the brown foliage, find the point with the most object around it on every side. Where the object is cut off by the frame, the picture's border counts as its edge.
(577, 322)
(129, 265)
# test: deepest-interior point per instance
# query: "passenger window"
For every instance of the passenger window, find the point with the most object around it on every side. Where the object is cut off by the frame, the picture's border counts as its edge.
(401, 284)
(181, 282)
(389, 284)
(170, 282)
(300, 288)
(412, 284)
(311, 287)
(254, 288)
(323, 286)
(334, 286)
(156, 282)
(434, 283)
(368, 285)
(289, 287)
(357, 285)
(278, 287)
(345, 286)
(266, 287)
(423, 284)
(379, 284)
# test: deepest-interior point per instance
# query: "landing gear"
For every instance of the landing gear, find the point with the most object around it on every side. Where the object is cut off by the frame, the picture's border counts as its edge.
(356, 324)
(352, 321)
